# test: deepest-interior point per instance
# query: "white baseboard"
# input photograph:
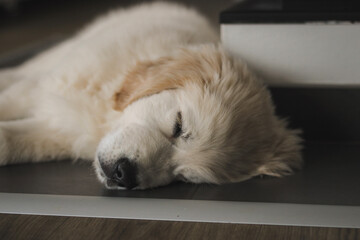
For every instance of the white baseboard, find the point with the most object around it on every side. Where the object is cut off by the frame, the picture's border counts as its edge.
(182, 210)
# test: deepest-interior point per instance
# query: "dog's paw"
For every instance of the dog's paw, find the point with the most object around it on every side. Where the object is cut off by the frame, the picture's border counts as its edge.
(4, 150)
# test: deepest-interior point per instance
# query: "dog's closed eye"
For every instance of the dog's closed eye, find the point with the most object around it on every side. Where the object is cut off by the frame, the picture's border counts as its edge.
(177, 131)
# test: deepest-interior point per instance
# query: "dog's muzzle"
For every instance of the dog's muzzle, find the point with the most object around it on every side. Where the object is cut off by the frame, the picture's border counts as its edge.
(122, 173)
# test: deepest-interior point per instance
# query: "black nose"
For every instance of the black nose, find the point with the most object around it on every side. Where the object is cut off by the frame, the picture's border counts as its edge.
(123, 172)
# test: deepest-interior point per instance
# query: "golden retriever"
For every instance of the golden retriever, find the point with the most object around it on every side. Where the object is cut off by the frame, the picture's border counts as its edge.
(150, 96)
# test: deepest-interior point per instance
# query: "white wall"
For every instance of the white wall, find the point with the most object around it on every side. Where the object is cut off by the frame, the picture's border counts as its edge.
(298, 54)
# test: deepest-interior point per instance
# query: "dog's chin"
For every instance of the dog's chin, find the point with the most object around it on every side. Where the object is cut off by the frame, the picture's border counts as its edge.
(109, 183)
(112, 185)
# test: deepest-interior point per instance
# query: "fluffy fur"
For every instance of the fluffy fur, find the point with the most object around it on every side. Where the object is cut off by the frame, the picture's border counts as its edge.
(117, 89)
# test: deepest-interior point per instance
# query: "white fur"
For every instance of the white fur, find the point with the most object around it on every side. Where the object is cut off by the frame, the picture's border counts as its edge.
(64, 97)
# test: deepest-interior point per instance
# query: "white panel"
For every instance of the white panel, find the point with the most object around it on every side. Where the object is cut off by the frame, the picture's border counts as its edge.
(298, 54)
(182, 210)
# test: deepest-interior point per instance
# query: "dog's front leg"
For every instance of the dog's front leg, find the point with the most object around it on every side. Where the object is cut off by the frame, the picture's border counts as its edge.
(31, 140)
(17, 100)
(8, 77)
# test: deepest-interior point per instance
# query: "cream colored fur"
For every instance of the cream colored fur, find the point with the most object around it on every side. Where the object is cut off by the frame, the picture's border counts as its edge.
(115, 90)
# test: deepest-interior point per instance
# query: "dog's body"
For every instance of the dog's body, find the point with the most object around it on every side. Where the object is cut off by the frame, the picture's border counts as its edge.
(152, 97)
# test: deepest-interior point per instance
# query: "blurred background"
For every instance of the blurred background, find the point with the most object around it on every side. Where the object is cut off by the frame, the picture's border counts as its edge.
(34, 24)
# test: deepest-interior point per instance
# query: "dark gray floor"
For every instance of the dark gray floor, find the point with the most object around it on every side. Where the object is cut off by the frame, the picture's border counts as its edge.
(330, 177)
(38, 20)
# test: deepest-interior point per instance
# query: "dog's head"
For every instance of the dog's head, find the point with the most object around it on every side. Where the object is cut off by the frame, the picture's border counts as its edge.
(197, 116)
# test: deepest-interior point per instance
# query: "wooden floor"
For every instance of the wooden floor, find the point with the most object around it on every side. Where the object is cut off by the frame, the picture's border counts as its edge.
(50, 227)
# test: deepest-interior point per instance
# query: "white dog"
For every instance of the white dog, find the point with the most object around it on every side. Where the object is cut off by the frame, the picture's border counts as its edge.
(152, 97)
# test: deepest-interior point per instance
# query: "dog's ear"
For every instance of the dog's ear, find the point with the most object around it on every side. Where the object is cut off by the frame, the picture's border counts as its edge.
(286, 156)
(142, 80)
(150, 77)
(147, 78)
